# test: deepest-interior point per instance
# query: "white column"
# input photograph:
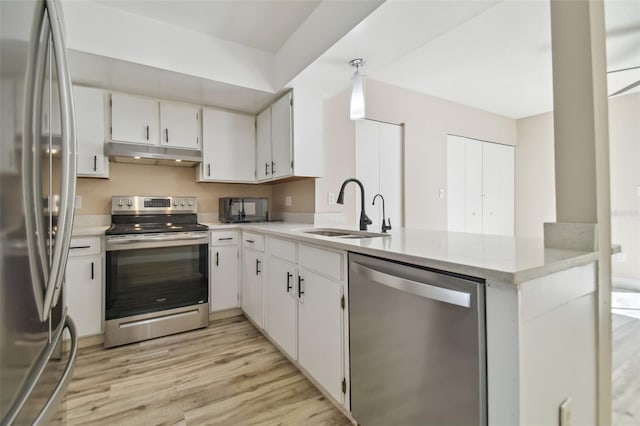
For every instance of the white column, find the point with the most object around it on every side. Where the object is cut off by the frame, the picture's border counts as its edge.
(582, 151)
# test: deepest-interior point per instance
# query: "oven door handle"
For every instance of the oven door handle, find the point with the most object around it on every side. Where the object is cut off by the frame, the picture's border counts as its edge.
(204, 238)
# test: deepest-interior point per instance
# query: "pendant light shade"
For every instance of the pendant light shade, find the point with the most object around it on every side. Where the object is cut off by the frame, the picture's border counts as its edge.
(357, 91)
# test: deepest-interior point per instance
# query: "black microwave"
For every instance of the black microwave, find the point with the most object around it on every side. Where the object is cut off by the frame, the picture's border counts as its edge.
(243, 209)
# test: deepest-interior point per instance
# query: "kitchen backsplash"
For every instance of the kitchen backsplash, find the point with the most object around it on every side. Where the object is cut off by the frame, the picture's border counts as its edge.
(133, 179)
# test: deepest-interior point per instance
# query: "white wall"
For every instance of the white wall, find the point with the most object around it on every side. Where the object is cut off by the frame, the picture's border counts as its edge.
(427, 120)
(535, 188)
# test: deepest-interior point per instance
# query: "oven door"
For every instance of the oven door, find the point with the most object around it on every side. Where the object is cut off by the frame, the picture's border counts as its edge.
(156, 272)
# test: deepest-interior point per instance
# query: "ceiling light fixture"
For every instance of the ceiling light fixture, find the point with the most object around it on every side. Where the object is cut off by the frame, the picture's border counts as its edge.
(357, 91)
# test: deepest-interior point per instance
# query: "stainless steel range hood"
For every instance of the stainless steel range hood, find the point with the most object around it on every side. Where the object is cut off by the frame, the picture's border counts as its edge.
(151, 154)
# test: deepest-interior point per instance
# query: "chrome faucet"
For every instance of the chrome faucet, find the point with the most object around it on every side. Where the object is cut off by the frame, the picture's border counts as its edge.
(364, 219)
(385, 227)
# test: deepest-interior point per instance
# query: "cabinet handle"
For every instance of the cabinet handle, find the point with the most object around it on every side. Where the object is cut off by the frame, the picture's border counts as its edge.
(217, 258)
(95, 163)
(209, 169)
(300, 292)
(250, 241)
(166, 132)
(147, 132)
(266, 169)
(92, 271)
(273, 168)
(289, 275)
(258, 266)
(79, 247)
(225, 239)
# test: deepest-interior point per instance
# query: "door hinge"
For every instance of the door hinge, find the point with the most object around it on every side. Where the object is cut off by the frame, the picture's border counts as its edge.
(344, 385)
(291, 101)
(342, 302)
(292, 165)
(110, 103)
(110, 130)
(197, 140)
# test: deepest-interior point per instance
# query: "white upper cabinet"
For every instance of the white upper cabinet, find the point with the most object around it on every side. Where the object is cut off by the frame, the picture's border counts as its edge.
(134, 119)
(281, 158)
(289, 137)
(263, 145)
(228, 146)
(90, 132)
(179, 125)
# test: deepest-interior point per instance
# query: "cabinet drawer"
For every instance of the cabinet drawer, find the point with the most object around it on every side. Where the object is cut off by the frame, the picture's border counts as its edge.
(223, 238)
(254, 241)
(283, 249)
(324, 262)
(84, 246)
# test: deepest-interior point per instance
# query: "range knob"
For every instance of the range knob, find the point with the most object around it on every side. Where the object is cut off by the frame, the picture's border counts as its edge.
(120, 203)
(175, 203)
(182, 203)
(129, 203)
(190, 202)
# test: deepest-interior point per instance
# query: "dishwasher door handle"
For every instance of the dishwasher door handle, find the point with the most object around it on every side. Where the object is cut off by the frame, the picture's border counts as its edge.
(428, 291)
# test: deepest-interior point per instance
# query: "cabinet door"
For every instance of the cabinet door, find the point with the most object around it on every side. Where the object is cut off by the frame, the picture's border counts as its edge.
(134, 119)
(83, 293)
(497, 189)
(263, 145)
(473, 186)
(281, 137)
(281, 304)
(252, 301)
(89, 104)
(228, 146)
(179, 126)
(223, 289)
(320, 331)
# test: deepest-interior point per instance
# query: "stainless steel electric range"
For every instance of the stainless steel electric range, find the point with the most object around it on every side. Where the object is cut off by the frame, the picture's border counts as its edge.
(157, 269)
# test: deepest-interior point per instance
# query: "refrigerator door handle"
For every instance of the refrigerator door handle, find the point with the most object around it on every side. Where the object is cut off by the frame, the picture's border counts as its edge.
(37, 370)
(69, 153)
(31, 165)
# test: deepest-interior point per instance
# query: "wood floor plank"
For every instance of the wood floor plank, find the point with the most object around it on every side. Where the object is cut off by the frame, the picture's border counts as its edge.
(226, 374)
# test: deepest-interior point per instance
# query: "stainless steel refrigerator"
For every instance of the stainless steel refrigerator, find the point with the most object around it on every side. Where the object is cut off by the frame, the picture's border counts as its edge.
(37, 168)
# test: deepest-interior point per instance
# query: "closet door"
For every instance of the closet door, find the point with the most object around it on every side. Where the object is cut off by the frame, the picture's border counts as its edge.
(473, 186)
(497, 189)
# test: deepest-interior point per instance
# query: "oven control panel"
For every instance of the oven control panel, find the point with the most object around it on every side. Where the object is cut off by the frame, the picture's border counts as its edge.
(138, 204)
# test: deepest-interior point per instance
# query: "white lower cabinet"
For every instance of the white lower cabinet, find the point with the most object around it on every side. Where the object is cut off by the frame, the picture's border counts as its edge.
(252, 277)
(224, 276)
(304, 310)
(83, 285)
(281, 301)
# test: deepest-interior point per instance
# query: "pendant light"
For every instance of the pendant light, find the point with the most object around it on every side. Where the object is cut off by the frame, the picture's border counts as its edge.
(357, 91)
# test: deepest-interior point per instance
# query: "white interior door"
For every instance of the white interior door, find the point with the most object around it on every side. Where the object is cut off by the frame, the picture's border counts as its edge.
(497, 189)
(473, 186)
(456, 172)
(379, 166)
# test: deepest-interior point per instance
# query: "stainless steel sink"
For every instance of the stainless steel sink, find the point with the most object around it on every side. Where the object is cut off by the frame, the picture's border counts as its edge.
(342, 233)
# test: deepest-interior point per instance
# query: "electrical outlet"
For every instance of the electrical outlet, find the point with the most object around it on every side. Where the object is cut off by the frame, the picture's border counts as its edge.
(441, 193)
(565, 412)
(287, 201)
(78, 201)
(331, 198)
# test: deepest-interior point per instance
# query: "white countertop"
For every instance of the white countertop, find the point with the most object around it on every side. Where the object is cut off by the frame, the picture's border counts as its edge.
(501, 258)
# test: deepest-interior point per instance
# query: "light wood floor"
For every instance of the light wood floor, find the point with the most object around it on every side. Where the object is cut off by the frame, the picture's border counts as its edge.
(626, 370)
(227, 374)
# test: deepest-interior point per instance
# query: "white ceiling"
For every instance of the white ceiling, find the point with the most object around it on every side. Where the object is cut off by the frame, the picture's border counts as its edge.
(493, 55)
(263, 24)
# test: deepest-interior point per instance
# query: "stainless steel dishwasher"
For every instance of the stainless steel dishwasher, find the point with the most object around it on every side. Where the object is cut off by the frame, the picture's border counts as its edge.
(417, 345)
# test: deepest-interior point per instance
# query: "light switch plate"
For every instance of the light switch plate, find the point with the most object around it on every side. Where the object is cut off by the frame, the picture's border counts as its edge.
(78, 201)
(331, 198)
(287, 201)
